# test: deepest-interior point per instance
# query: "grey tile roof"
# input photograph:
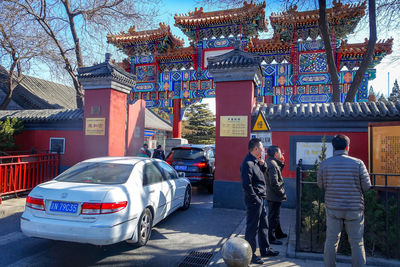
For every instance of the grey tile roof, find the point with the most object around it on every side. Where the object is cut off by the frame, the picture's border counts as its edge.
(43, 115)
(235, 58)
(35, 93)
(152, 121)
(12, 104)
(331, 111)
(107, 69)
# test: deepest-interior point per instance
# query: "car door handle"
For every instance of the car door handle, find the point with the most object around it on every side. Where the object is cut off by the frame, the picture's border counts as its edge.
(152, 191)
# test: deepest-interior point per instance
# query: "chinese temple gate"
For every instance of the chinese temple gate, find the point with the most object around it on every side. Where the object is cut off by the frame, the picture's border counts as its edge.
(171, 76)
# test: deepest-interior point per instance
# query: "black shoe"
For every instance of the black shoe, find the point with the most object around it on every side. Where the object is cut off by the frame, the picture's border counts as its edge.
(275, 242)
(280, 236)
(270, 253)
(256, 260)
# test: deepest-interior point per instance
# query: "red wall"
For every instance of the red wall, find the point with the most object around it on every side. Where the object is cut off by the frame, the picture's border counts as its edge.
(136, 119)
(40, 140)
(232, 99)
(116, 123)
(358, 146)
(96, 145)
(112, 105)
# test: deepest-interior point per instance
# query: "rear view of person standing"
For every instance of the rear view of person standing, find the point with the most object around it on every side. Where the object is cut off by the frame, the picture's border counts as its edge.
(345, 180)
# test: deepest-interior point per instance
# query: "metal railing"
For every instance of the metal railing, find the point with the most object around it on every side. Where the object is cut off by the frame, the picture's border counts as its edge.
(382, 215)
(23, 172)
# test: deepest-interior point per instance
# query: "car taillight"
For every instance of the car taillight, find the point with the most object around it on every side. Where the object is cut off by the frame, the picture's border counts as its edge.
(113, 207)
(91, 208)
(35, 203)
(200, 164)
(102, 208)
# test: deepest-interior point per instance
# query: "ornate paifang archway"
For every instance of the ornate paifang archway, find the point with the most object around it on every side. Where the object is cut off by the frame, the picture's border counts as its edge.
(171, 76)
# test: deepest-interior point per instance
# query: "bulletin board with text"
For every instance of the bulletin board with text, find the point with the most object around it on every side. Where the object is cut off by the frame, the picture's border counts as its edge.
(384, 151)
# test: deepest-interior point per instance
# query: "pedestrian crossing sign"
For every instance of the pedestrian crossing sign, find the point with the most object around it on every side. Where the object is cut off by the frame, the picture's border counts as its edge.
(261, 124)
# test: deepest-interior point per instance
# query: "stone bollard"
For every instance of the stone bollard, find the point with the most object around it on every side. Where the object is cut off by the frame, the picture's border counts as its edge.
(236, 252)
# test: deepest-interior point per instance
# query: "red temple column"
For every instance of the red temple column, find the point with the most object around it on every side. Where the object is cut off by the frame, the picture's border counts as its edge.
(177, 121)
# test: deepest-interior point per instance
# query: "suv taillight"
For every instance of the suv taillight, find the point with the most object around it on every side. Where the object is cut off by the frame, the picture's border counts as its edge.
(35, 203)
(200, 165)
(102, 208)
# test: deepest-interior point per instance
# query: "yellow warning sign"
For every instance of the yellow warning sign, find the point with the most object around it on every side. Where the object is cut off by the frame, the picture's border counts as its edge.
(261, 124)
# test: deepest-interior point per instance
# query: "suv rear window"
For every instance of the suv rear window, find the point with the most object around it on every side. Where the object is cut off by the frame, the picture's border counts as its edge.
(96, 173)
(187, 153)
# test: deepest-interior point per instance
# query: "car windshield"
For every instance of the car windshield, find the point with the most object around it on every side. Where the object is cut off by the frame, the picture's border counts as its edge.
(187, 154)
(96, 173)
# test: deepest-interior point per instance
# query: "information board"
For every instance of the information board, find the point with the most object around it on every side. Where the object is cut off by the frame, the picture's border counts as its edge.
(310, 151)
(233, 126)
(385, 152)
(95, 126)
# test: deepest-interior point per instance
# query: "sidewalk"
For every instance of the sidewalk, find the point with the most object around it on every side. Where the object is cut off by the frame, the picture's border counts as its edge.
(10, 206)
(287, 254)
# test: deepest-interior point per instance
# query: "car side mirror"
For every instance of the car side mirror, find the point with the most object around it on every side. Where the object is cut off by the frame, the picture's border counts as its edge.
(181, 175)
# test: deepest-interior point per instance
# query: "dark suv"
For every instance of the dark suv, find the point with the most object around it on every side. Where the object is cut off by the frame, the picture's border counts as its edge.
(196, 161)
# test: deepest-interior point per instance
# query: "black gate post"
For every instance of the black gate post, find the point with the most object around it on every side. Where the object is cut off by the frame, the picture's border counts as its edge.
(298, 203)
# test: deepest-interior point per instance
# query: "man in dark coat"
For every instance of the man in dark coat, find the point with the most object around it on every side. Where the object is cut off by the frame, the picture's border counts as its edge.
(275, 193)
(253, 183)
(158, 153)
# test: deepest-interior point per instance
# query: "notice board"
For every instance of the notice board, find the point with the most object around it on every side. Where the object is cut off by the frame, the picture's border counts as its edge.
(384, 151)
(95, 126)
(233, 126)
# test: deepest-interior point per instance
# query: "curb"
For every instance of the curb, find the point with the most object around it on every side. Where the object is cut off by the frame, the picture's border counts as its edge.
(371, 261)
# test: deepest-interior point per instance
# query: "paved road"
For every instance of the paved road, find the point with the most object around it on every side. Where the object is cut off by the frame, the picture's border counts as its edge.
(199, 228)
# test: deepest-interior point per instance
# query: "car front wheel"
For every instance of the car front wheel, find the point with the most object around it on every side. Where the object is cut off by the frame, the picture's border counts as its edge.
(144, 227)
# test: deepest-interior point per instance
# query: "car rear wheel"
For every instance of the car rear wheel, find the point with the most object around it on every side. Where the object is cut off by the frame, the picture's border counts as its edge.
(144, 227)
(187, 199)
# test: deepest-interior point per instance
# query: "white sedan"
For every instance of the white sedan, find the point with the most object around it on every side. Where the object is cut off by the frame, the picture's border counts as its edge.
(106, 200)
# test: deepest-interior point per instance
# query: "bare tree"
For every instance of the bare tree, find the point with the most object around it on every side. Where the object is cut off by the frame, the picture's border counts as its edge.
(388, 17)
(330, 58)
(367, 58)
(19, 44)
(68, 23)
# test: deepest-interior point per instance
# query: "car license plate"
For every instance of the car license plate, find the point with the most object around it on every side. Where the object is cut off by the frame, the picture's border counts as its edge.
(66, 207)
(180, 168)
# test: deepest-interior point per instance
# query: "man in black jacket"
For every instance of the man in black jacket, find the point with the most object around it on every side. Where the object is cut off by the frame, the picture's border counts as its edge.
(158, 153)
(275, 193)
(253, 183)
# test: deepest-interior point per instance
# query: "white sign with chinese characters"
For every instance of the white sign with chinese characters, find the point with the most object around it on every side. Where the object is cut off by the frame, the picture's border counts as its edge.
(266, 138)
(309, 151)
